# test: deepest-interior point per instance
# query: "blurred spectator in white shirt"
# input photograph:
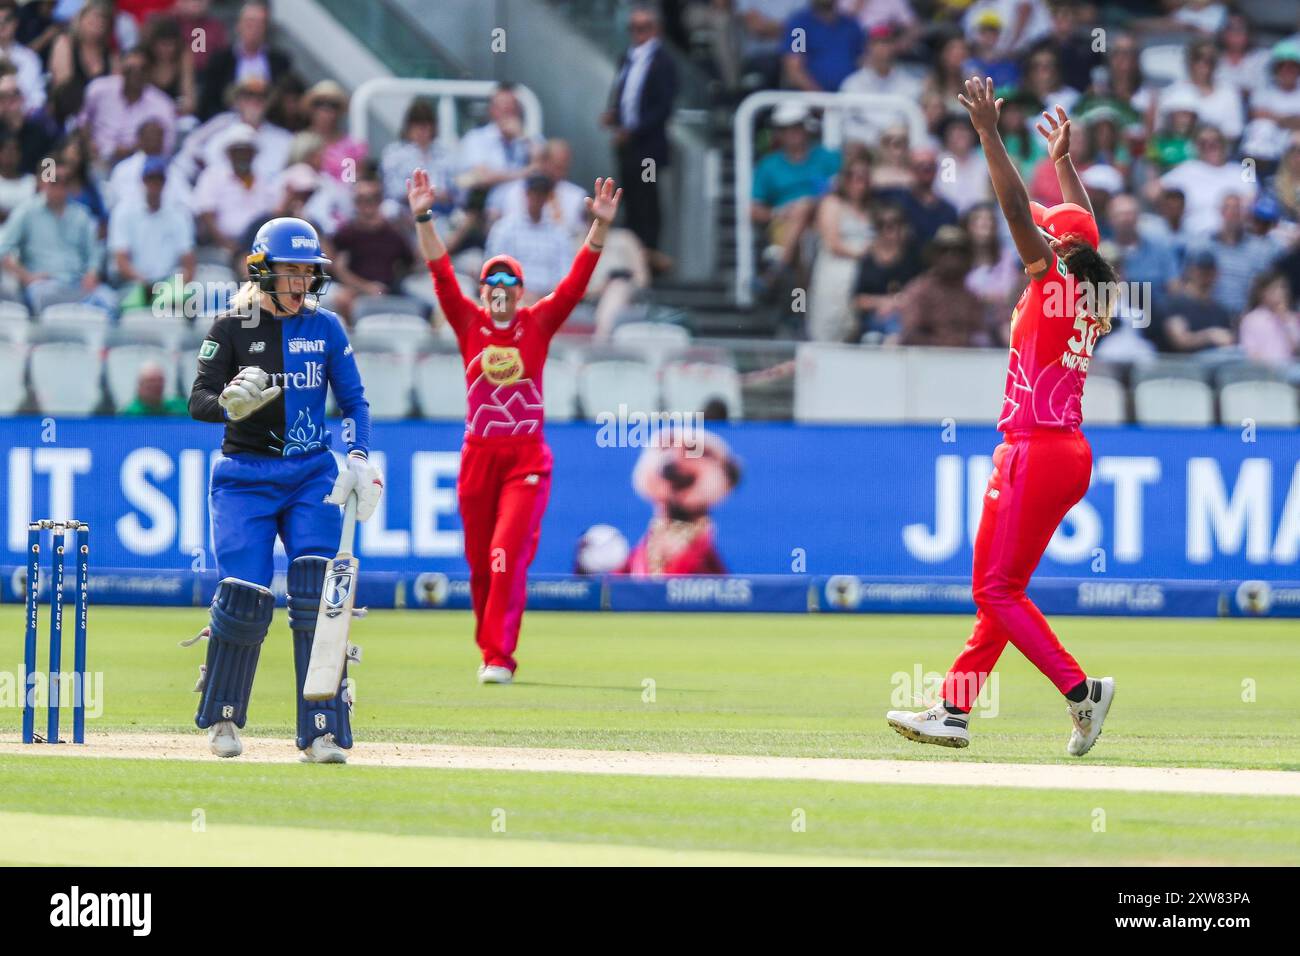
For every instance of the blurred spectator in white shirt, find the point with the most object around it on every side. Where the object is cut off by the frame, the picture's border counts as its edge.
(567, 204)
(498, 151)
(418, 147)
(541, 245)
(126, 182)
(248, 103)
(1205, 181)
(31, 72)
(880, 73)
(1218, 102)
(1241, 66)
(228, 195)
(1275, 109)
(150, 239)
(963, 177)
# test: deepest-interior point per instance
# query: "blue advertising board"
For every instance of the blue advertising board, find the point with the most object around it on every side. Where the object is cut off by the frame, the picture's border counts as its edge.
(1166, 504)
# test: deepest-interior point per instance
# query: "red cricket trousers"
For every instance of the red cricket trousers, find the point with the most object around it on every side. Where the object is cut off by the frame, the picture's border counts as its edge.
(503, 488)
(1037, 477)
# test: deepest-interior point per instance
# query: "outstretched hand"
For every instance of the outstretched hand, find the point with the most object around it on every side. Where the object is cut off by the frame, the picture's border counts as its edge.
(980, 103)
(1057, 134)
(605, 205)
(419, 192)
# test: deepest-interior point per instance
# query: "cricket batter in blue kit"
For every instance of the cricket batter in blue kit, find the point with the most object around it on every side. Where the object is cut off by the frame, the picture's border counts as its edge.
(263, 371)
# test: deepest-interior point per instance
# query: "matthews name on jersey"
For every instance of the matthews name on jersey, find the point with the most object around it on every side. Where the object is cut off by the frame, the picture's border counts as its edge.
(303, 354)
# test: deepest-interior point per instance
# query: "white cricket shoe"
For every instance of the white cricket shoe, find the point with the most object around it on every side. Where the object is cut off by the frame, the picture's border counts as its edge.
(495, 674)
(223, 739)
(933, 726)
(1089, 714)
(325, 749)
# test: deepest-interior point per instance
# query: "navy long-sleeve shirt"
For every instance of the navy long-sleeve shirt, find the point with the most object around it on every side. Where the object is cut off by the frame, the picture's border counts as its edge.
(304, 354)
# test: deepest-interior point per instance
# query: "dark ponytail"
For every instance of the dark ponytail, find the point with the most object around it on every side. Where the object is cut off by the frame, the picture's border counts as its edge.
(1097, 275)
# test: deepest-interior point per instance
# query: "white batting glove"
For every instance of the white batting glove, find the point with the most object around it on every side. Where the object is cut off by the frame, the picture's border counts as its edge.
(248, 391)
(365, 479)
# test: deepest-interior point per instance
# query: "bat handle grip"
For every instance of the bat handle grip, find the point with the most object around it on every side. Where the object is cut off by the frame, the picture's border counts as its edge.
(349, 523)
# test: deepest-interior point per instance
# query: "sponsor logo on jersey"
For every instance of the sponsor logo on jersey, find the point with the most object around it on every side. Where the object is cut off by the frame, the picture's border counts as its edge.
(306, 345)
(256, 347)
(502, 365)
(208, 349)
(311, 376)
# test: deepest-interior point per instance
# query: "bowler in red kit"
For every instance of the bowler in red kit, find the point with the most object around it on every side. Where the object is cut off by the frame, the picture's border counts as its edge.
(505, 465)
(1044, 464)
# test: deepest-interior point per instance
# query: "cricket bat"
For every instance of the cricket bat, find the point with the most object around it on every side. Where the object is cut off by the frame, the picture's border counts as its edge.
(329, 648)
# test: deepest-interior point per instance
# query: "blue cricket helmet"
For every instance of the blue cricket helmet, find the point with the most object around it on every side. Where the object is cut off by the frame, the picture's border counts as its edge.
(286, 239)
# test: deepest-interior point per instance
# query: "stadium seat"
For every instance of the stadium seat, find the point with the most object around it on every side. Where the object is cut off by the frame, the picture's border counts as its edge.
(440, 385)
(1105, 401)
(1266, 403)
(846, 383)
(88, 322)
(965, 385)
(387, 376)
(168, 331)
(122, 364)
(560, 389)
(606, 384)
(66, 377)
(653, 340)
(689, 386)
(14, 311)
(13, 380)
(403, 331)
(14, 329)
(366, 305)
(1173, 401)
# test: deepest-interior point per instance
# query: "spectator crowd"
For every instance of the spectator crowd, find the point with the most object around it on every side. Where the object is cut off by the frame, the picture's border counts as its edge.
(143, 142)
(1186, 132)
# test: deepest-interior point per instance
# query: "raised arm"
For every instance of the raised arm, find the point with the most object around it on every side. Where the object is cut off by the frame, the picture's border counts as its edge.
(979, 101)
(1057, 134)
(457, 308)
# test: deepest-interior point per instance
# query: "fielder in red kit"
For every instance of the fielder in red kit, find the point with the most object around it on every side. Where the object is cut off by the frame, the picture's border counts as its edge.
(1044, 464)
(505, 465)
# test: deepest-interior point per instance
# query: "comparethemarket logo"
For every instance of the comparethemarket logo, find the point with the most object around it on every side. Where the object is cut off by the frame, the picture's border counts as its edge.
(77, 909)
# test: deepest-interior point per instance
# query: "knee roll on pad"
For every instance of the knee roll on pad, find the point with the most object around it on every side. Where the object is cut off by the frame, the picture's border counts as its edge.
(241, 616)
(315, 717)
(305, 582)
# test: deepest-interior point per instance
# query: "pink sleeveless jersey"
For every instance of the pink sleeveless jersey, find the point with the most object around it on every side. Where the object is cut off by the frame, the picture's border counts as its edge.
(1052, 338)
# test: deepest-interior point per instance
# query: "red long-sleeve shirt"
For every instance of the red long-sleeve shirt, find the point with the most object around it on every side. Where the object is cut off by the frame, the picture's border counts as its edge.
(503, 366)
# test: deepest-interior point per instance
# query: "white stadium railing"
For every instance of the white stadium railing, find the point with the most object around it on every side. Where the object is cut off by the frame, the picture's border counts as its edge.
(833, 104)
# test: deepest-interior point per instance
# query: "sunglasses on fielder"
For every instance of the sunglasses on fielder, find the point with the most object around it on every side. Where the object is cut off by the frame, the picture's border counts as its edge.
(501, 279)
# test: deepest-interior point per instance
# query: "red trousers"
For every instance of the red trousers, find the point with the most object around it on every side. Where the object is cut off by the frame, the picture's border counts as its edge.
(1037, 477)
(503, 487)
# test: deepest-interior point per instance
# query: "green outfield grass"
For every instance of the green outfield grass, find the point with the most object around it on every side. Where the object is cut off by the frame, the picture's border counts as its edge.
(796, 686)
(147, 811)
(752, 684)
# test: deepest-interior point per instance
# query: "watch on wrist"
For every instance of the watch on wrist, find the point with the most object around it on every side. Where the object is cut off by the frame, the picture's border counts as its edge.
(424, 216)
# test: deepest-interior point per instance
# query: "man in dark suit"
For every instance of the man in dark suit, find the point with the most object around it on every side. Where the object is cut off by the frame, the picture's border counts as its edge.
(639, 108)
(249, 56)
